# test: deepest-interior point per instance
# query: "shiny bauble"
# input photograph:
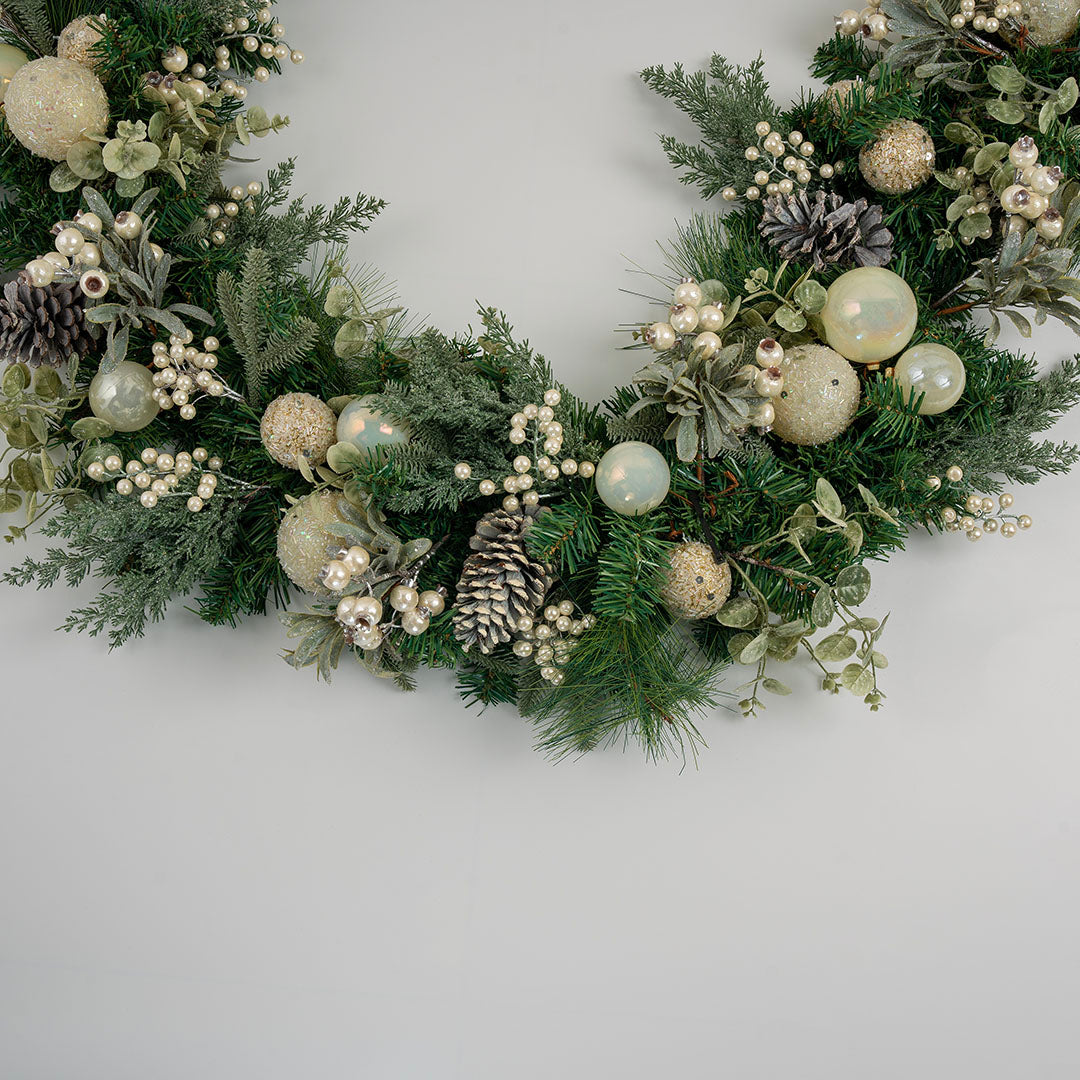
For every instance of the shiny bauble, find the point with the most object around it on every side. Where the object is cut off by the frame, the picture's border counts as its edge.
(77, 41)
(695, 585)
(124, 396)
(820, 396)
(11, 59)
(934, 371)
(296, 425)
(633, 478)
(303, 540)
(899, 160)
(870, 314)
(1050, 22)
(51, 104)
(367, 428)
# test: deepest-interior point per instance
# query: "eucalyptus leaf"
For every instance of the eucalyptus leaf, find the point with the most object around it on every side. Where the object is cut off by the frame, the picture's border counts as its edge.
(741, 612)
(823, 610)
(756, 649)
(1007, 112)
(990, 156)
(1006, 78)
(852, 585)
(91, 427)
(350, 340)
(973, 224)
(344, 457)
(790, 319)
(835, 647)
(774, 686)
(827, 498)
(62, 178)
(811, 296)
(10, 501)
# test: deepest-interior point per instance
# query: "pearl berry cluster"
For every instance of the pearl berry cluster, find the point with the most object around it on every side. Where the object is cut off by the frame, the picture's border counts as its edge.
(790, 164)
(547, 436)
(768, 379)
(979, 517)
(986, 17)
(1027, 200)
(549, 639)
(184, 369)
(161, 476)
(689, 314)
(871, 22)
(221, 214)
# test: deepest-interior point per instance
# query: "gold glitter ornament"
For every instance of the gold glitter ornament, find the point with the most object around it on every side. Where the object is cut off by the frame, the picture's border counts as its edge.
(303, 539)
(52, 103)
(77, 41)
(838, 94)
(296, 424)
(695, 585)
(820, 396)
(1050, 22)
(900, 159)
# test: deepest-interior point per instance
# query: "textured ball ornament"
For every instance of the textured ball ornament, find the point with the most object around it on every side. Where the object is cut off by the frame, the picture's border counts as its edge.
(123, 397)
(934, 371)
(695, 585)
(302, 539)
(1050, 22)
(838, 94)
(900, 160)
(77, 41)
(820, 396)
(52, 103)
(633, 478)
(870, 314)
(11, 59)
(367, 428)
(296, 424)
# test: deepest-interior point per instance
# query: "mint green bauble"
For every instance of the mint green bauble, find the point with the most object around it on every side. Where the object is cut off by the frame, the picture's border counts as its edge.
(366, 428)
(934, 371)
(633, 478)
(11, 59)
(123, 397)
(870, 314)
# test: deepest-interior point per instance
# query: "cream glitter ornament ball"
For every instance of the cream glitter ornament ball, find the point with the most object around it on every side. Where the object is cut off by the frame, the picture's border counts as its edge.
(1050, 22)
(870, 314)
(77, 40)
(52, 103)
(302, 538)
(695, 585)
(900, 159)
(820, 396)
(838, 94)
(11, 59)
(296, 424)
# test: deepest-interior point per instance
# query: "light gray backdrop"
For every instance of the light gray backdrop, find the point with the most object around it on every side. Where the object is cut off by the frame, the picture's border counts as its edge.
(215, 868)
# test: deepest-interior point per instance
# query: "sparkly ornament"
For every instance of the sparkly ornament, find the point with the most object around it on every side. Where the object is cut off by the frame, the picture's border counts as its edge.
(77, 41)
(1050, 22)
(838, 94)
(366, 428)
(124, 396)
(899, 160)
(934, 371)
(51, 104)
(303, 540)
(11, 59)
(633, 478)
(870, 314)
(695, 585)
(295, 425)
(820, 396)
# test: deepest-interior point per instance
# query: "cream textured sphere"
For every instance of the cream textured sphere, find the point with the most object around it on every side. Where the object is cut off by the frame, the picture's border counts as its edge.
(123, 397)
(870, 314)
(367, 428)
(76, 41)
(900, 160)
(11, 59)
(52, 103)
(295, 424)
(302, 538)
(1050, 22)
(633, 478)
(820, 396)
(934, 371)
(695, 585)
(838, 94)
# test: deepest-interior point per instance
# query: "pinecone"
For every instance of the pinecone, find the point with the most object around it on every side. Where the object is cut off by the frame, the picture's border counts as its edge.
(499, 583)
(826, 229)
(42, 326)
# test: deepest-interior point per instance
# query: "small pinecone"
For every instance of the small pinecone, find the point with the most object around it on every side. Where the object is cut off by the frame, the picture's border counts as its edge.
(42, 326)
(826, 230)
(499, 583)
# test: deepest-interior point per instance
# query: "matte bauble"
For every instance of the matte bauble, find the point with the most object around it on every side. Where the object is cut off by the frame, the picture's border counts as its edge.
(695, 585)
(1050, 22)
(366, 428)
(77, 40)
(303, 540)
(633, 478)
(870, 314)
(51, 104)
(11, 59)
(296, 424)
(838, 94)
(934, 371)
(899, 160)
(123, 397)
(820, 396)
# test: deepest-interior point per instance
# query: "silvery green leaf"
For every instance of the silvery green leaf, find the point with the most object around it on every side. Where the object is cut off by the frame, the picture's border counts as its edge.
(973, 224)
(804, 522)
(774, 686)
(10, 501)
(63, 178)
(853, 534)
(835, 647)
(823, 611)
(990, 156)
(961, 134)
(1006, 78)
(790, 319)
(686, 438)
(91, 427)
(350, 340)
(1047, 115)
(343, 457)
(740, 613)
(164, 318)
(811, 296)
(827, 499)
(955, 210)
(1007, 112)
(1067, 95)
(1022, 324)
(852, 585)
(756, 649)
(304, 465)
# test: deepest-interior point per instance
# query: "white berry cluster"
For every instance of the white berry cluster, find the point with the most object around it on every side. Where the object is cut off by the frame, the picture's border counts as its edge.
(162, 476)
(985, 17)
(768, 379)
(221, 214)
(690, 313)
(1027, 200)
(784, 161)
(871, 22)
(983, 514)
(550, 637)
(183, 371)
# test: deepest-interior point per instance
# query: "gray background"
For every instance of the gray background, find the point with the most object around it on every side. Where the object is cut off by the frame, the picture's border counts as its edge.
(214, 867)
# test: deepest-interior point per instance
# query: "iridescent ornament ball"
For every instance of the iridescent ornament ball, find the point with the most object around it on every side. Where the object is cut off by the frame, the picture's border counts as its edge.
(1051, 22)
(900, 159)
(52, 103)
(934, 371)
(302, 538)
(870, 314)
(11, 59)
(633, 478)
(695, 585)
(367, 428)
(820, 396)
(295, 425)
(123, 397)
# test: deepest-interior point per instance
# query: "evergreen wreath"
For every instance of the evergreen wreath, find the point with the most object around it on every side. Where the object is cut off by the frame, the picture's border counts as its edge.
(202, 398)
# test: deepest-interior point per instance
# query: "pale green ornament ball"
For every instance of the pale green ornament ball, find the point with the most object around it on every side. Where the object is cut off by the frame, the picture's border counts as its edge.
(870, 314)
(303, 539)
(633, 478)
(367, 428)
(820, 396)
(11, 59)
(123, 397)
(934, 371)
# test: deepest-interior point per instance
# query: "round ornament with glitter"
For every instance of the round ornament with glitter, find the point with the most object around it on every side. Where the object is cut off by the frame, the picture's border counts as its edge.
(820, 396)
(870, 314)
(77, 40)
(53, 103)
(695, 585)
(296, 425)
(303, 539)
(837, 95)
(900, 159)
(1051, 22)
(365, 427)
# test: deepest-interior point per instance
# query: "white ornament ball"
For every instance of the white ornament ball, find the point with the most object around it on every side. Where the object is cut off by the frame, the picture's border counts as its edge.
(1050, 22)
(695, 585)
(633, 478)
(11, 59)
(124, 396)
(296, 424)
(302, 538)
(870, 314)
(367, 428)
(838, 94)
(900, 159)
(934, 371)
(77, 40)
(820, 396)
(52, 103)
